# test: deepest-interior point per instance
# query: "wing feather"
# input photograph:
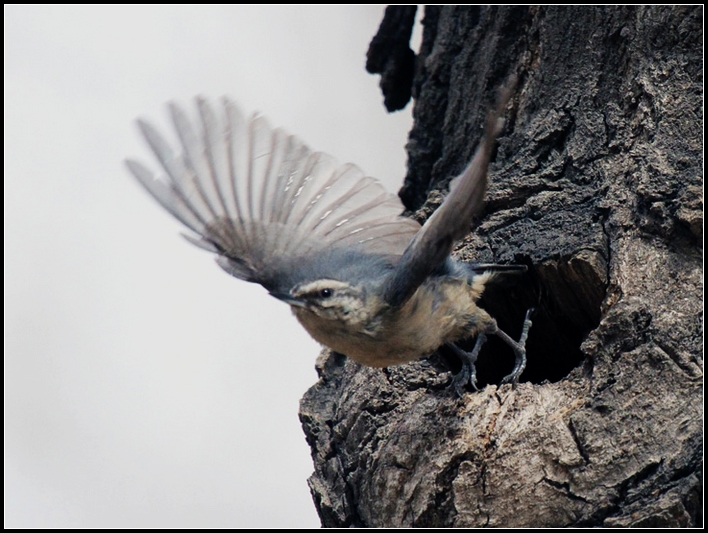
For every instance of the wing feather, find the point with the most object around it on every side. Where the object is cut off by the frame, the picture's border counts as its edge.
(261, 199)
(453, 219)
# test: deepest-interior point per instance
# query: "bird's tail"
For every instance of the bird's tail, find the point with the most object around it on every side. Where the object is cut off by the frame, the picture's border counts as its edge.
(479, 268)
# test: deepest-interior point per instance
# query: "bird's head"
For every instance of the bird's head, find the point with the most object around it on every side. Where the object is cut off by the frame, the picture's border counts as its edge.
(330, 299)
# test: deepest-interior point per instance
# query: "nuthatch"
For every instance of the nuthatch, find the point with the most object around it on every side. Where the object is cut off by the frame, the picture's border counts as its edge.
(330, 242)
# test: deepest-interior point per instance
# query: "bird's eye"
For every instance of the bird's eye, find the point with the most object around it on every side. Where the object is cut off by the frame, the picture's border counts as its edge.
(326, 293)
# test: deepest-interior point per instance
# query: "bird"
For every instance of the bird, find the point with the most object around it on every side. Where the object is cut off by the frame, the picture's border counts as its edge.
(331, 242)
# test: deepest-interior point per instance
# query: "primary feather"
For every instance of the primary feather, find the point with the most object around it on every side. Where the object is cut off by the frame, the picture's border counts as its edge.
(262, 200)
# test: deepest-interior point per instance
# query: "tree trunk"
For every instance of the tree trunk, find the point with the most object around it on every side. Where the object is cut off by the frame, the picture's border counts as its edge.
(596, 186)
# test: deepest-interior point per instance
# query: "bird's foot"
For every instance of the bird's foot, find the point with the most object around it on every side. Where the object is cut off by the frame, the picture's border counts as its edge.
(468, 372)
(519, 350)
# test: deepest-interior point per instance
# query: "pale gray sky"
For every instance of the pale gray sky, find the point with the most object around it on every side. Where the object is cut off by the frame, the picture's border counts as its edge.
(144, 386)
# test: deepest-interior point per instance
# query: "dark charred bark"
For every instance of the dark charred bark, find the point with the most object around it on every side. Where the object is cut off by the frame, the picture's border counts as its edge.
(391, 56)
(597, 187)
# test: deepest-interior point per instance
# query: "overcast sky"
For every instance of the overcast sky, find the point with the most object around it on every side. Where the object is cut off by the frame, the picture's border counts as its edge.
(143, 385)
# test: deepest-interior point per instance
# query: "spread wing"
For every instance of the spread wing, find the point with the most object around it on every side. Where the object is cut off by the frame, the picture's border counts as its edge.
(453, 219)
(261, 199)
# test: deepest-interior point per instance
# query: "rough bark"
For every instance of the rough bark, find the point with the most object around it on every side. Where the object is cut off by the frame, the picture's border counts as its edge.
(390, 55)
(597, 187)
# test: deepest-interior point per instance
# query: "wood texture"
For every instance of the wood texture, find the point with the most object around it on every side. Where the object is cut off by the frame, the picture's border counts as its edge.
(597, 187)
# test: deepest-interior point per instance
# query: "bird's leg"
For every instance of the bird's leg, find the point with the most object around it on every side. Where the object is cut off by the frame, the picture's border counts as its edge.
(468, 372)
(519, 349)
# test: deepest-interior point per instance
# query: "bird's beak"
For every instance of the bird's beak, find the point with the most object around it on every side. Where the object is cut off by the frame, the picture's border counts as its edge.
(288, 299)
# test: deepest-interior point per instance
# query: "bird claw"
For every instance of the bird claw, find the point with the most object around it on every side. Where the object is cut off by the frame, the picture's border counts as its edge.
(460, 380)
(515, 374)
(520, 351)
(468, 372)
